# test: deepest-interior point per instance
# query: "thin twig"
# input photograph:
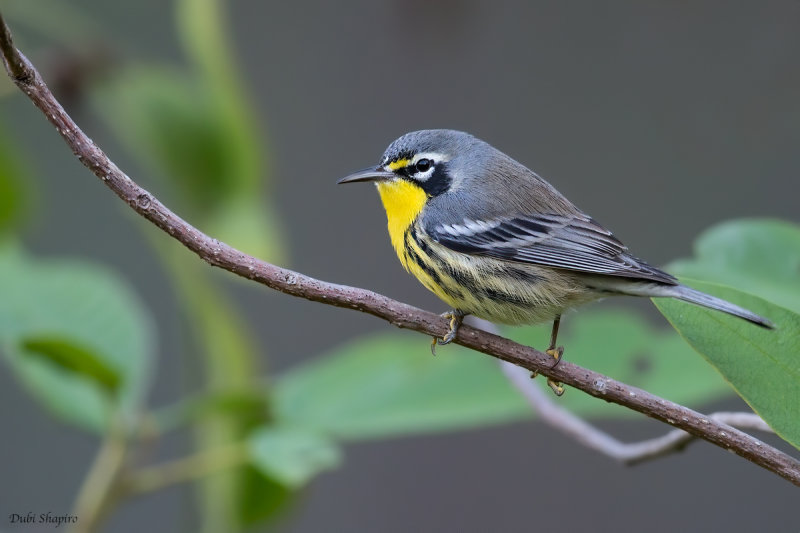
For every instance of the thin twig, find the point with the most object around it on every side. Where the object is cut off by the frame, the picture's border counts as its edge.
(402, 315)
(592, 437)
(182, 470)
(596, 439)
(95, 496)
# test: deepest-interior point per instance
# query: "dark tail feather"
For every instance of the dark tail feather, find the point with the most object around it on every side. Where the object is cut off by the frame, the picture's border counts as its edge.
(687, 294)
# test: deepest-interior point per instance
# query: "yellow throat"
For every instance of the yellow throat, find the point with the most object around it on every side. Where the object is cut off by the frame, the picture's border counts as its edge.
(402, 201)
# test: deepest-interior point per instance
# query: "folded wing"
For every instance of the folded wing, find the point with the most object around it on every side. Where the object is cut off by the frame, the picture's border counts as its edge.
(574, 242)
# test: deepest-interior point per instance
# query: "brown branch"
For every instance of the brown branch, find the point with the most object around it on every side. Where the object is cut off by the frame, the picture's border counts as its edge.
(399, 314)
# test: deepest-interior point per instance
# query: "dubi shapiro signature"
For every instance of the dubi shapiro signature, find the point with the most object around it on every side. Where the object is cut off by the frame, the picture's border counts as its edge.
(51, 519)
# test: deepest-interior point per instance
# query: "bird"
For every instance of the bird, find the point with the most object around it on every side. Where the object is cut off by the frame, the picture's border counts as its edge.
(493, 239)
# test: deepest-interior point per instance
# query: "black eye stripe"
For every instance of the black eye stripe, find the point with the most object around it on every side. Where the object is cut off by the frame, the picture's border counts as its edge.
(438, 182)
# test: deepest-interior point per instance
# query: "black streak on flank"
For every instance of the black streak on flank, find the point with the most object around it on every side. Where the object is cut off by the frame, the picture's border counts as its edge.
(502, 296)
(522, 274)
(412, 255)
(426, 266)
(411, 234)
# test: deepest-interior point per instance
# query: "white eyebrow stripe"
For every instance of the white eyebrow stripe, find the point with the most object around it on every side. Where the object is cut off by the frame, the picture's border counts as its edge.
(436, 157)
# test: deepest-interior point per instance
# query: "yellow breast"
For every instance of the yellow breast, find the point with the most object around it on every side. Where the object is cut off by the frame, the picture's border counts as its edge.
(403, 201)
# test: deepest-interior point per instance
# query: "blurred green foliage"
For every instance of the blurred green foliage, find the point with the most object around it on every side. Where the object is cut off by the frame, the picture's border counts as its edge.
(14, 191)
(194, 127)
(389, 384)
(76, 335)
(293, 456)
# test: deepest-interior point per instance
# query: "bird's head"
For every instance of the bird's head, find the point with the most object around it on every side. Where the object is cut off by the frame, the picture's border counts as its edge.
(418, 167)
(427, 162)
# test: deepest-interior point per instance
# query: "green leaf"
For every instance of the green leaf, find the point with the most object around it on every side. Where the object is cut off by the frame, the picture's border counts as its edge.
(390, 384)
(202, 28)
(13, 177)
(259, 496)
(292, 456)
(762, 365)
(241, 216)
(168, 119)
(230, 358)
(621, 344)
(761, 257)
(242, 404)
(81, 305)
(174, 122)
(71, 356)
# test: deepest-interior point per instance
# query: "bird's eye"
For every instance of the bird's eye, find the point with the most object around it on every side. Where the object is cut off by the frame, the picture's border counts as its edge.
(423, 165)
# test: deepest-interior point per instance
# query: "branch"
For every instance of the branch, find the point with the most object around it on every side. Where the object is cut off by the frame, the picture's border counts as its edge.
(592, 437)
(402, 315)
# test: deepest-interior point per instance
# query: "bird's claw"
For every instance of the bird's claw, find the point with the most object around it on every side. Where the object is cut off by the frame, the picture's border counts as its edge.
(456, 317)
(555, 386)
(555, 353)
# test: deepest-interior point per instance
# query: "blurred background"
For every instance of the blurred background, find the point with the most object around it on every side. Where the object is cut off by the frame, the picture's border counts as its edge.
(659, 119)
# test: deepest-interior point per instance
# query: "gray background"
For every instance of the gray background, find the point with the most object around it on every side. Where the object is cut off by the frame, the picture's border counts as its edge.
(658, 118)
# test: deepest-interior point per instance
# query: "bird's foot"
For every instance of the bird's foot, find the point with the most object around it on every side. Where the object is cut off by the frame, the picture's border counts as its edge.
(555, 353)
(456, 318)
(555, 386)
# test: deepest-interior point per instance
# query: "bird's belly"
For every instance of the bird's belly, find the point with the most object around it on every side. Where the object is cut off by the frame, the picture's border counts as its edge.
(522, 302)
(495, 290)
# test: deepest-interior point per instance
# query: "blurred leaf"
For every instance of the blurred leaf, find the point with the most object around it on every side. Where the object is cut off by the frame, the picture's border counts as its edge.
(292, 456)
(761, 257)
(762, 365)
(243, 217)
(228, 354)
(390, 384)
(202, 25)
(199, 130)
(624, 346)
(13, 177)
(173, 121)
(168, 118)
(248, 404)
(70, 356)
(86, 306)
(67, 396)
(260, 496)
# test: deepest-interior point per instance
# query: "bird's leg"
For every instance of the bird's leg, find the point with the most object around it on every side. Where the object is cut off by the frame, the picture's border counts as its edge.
(556, 353)
(456, 317)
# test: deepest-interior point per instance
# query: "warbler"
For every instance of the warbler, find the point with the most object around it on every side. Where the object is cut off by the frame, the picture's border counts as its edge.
(493, 239)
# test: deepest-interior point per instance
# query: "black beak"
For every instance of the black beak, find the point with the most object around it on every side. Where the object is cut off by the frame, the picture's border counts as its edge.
(368, 174)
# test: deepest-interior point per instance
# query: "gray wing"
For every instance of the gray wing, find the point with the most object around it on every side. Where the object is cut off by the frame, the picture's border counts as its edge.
(571, 242)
